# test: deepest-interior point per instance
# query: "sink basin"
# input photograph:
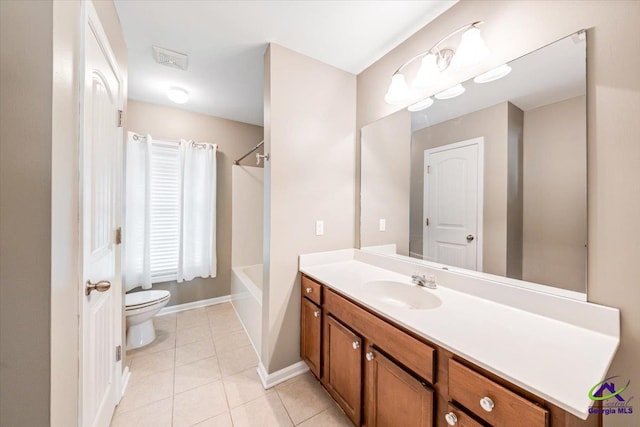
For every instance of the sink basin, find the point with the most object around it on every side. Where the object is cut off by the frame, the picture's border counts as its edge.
(402, 295)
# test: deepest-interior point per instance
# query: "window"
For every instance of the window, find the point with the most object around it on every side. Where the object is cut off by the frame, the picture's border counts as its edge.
(170, 223)
(165, 211)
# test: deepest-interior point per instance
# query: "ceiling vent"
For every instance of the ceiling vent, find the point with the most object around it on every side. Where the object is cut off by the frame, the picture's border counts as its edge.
(170, 58)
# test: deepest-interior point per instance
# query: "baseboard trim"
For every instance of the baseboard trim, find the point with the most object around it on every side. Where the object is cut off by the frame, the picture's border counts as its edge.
(195, 304)
(126, 375)
(277, 377)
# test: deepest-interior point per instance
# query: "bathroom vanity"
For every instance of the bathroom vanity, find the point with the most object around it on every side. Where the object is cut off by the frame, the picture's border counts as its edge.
(464, 354)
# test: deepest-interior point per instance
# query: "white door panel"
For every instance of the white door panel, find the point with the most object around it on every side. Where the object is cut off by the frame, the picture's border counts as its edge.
(452, 204)
(100, 312)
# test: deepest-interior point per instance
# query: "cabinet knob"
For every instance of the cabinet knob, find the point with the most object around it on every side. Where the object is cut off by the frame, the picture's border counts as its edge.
(370, 356)
(308, 290)
(487, 404)
(451, 419)
(316, 314)
(355, 345)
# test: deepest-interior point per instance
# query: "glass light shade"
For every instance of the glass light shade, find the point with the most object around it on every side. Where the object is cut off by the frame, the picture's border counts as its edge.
(421, 105)
(429, 72)
(492, 75)
(472, 49)
(398, 92)
(177, 95)
(452, 92)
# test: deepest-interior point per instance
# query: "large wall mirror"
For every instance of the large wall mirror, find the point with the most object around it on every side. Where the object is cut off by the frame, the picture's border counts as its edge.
(492, 180)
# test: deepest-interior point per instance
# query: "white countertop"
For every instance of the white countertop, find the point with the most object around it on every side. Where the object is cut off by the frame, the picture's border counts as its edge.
(556, 360)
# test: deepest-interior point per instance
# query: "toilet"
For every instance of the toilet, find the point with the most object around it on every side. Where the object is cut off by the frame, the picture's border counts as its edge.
(140, 307)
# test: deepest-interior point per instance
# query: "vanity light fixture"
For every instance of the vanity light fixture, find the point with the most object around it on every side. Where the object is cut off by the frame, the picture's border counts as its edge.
(471, 50)
(421, 105)
(493, 75)
(452, 92)
(178, 95)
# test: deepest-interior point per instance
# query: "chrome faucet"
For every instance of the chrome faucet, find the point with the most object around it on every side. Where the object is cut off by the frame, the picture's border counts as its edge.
(424, 281)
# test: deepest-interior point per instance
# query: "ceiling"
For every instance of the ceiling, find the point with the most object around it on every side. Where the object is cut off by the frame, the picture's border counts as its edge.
(226, 41)
(548, 75)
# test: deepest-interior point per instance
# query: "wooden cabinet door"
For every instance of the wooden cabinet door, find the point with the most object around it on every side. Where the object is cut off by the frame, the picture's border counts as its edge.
(394, 397)
(310, 335)
(343, 367)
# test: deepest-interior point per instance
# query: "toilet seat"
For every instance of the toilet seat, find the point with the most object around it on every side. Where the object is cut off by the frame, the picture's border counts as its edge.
(138, 300)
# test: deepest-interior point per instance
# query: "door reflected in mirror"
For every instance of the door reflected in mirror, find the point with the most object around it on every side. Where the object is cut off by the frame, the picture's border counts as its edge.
(493, 180)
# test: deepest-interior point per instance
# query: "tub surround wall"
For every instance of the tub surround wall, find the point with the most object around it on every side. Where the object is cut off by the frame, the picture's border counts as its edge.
(247, 204)
(234, 139)
(613, 109)
(310, 135)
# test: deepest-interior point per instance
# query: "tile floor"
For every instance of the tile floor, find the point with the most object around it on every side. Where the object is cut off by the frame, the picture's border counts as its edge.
(201, 371)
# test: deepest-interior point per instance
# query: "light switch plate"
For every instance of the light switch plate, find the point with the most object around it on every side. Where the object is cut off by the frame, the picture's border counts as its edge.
(383, 225)
(319, 228)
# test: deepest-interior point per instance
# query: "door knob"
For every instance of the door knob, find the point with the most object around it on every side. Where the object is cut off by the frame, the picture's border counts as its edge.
(470, 238)
(101, 286)
(370, 356)
(308, 290)
(316, 314)
(355, 345)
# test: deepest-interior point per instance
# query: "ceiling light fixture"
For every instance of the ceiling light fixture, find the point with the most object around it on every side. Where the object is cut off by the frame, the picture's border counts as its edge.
(493, 75)
(452, 92)
(421, 105)
(178, 95)
(471, 50)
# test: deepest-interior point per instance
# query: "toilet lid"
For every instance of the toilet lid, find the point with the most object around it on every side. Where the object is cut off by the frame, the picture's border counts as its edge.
(135, 300)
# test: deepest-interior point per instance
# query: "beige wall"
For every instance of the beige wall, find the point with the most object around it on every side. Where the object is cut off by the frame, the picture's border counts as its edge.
(385, 174)
(555, 197)
(515, 234)
(26, 78)
(490, 123)
(247, 207)
(613, 109)
(310, 134)
(234, 139)
(39, 199)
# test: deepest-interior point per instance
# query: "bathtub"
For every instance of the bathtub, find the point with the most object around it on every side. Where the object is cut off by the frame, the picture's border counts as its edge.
(246, 297)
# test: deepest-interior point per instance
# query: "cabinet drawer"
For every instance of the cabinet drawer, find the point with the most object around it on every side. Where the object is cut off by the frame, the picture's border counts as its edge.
(502, 407)
(311, 290)
(415, 355)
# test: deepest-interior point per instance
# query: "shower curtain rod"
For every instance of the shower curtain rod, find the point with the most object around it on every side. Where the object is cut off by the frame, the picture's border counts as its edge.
(237, 162)
(137, 137)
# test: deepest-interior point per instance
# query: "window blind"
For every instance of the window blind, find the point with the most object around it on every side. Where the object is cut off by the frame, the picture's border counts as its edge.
(165, 189)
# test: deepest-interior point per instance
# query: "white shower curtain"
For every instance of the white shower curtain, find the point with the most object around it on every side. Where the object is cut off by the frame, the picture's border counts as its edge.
(198, 237)
(137, 268)
(196, 203)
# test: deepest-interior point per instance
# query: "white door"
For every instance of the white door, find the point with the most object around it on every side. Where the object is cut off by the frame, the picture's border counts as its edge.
(453, 204)
(100, 309)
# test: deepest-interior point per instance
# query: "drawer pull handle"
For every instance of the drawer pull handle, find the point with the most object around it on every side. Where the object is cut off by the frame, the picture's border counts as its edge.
(487, 404)
(355, 345)
(308, 290)
(451, 419)
(316, 314)
(370, 356)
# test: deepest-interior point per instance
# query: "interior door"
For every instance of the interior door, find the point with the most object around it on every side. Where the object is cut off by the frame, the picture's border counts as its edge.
(452, 204)
(101, 293)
